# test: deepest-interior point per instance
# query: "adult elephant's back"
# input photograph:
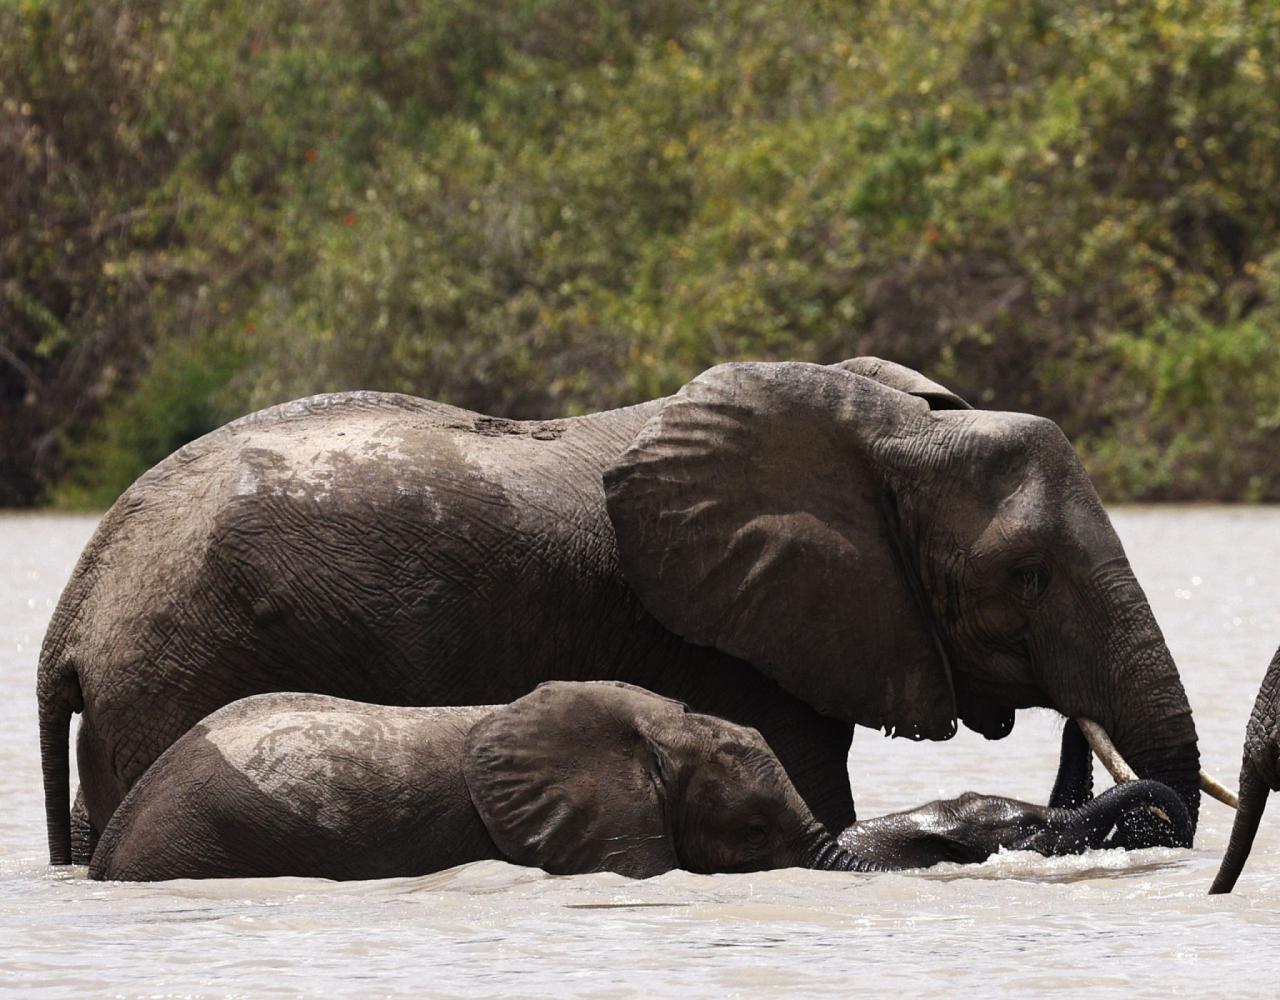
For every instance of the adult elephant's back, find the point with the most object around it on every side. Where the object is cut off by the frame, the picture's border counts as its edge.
(364, 545)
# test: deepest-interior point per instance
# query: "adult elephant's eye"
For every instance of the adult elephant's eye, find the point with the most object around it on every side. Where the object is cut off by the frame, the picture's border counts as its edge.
(757, 831)
(1032, 582)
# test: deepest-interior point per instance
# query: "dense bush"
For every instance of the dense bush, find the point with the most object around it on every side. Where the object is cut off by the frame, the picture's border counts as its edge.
(551, 206)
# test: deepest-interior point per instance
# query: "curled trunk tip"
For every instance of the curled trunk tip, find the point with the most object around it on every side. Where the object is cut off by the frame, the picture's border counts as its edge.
(1116, 819)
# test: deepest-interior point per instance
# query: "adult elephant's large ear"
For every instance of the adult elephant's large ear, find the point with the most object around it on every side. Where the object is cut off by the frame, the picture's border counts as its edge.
(753, 514)
(904, 379)
(566, 779)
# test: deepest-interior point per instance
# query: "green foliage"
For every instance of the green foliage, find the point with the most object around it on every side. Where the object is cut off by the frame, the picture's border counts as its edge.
(184, 391)
(1200, 404)
(533, 207)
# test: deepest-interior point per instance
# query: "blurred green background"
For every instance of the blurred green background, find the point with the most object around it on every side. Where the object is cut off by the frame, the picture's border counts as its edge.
(552, 206)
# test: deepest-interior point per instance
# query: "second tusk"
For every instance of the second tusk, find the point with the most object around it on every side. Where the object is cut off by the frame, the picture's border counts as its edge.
(1120, 770)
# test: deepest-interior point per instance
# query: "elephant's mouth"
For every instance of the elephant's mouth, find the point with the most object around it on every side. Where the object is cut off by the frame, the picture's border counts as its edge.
(987, 706)
(1003, 676)
(1120, 770)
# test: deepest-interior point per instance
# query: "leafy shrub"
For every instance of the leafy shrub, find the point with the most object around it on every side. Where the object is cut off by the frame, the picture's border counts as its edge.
(534, 207)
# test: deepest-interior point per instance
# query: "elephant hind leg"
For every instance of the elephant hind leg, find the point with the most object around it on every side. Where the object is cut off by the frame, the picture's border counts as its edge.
(100, 790)
(84, 838)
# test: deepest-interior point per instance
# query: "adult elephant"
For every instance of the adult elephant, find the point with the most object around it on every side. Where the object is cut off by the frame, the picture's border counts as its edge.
(795, 547)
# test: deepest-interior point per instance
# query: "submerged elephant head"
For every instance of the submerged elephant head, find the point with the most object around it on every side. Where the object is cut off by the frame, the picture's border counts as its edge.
(895, 558)
(971, 828)
(1259, 776)
(603, 776)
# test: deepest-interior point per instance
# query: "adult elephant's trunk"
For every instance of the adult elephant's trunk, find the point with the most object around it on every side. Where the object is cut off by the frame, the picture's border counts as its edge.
(1253, 800)
(1142, 813)
(1132, 690)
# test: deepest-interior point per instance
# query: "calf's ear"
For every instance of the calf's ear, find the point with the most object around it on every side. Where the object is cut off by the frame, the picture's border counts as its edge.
(566, 779)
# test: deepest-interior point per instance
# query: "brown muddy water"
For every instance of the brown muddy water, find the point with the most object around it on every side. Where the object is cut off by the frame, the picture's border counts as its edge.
(1106, 923)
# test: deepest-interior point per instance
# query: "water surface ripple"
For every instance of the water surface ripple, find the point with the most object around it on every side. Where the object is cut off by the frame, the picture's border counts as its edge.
(1116, 925)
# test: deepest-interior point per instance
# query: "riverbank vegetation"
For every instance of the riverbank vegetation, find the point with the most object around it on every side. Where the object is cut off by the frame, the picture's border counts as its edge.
(540, 207)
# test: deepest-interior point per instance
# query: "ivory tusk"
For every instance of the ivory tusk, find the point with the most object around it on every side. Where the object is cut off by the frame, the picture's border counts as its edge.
(1122, 772)
(1216, 789)
(1106, 751)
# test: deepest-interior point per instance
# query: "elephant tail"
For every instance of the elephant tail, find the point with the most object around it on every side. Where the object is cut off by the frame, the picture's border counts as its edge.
(1253, 800)
(59, 698)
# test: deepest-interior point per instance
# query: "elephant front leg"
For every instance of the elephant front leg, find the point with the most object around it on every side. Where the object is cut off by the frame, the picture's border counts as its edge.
(1074, 784)
(817, 762)
(813, 748)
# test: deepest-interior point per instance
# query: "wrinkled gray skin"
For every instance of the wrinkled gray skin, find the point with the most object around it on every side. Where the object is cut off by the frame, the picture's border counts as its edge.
(1259, 776)
(575, 777)
(795, 547)
(971, 828)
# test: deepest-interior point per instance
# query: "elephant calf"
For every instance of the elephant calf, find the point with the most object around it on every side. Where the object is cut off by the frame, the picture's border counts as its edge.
(574, 777)
(971, 828)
